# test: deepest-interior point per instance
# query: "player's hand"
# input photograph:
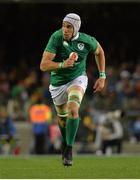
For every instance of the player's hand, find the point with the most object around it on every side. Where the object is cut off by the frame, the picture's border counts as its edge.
(99, 85)
(68, 63)
(71, 60)
(73, 56)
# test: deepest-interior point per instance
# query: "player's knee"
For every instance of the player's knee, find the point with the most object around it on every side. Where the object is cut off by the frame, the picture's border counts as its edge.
(73, 104)
(73, 110)
(73, 114)
(76, 99)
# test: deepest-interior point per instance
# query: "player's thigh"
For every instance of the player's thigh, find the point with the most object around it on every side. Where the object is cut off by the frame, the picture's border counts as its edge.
(77, 89)
(75, 95)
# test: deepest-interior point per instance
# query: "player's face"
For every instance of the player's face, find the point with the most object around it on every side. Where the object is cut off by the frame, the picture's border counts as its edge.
(68, 30)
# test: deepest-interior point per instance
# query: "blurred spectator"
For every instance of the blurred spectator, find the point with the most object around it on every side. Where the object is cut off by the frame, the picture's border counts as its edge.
(111, 78)
(40, 116)
(16, 104)
(110, 132)
(8, 138)
(87, 129)
(31, 82)
(135, 130)
(136, 73)
(125, 89)
(54, 136)
(88, 125)
(4, 88)
(45, 88)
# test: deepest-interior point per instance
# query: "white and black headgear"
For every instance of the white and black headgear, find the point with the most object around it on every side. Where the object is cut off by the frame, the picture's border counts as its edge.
(75, 20)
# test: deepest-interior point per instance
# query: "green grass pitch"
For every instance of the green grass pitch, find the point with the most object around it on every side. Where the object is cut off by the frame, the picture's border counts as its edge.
(84, 167)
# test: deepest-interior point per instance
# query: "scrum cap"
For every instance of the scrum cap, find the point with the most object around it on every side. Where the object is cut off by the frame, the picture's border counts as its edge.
(75, 20)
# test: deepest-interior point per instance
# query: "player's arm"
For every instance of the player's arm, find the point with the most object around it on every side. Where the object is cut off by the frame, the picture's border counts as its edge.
(100, 61)
(47, 63)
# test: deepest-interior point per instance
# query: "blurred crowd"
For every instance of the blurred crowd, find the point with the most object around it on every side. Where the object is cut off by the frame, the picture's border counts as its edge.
(106, 117)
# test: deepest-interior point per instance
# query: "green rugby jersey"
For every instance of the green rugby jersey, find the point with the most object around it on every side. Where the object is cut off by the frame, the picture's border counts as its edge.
(82, 46)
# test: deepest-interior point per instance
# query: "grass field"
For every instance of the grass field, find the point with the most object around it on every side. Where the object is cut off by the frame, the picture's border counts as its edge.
(84, 167)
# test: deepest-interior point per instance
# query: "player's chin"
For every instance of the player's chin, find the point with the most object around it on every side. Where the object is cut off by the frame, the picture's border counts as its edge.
(66, 37)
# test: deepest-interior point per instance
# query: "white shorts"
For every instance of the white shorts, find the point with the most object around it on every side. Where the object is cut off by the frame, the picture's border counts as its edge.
(59, 93)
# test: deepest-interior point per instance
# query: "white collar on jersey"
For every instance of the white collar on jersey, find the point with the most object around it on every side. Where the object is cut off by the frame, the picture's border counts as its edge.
(76, 37)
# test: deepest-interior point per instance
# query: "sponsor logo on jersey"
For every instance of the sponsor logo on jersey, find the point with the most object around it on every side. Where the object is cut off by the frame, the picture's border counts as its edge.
(81, 46)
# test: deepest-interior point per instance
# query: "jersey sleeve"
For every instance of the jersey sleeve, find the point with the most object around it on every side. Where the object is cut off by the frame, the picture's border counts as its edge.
(52, 44)
(93, 44)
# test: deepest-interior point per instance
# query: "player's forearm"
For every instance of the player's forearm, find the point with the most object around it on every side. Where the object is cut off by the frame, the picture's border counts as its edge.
(100, 61)
(49, 65)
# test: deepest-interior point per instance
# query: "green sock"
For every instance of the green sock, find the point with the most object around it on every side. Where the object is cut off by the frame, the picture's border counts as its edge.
(71, 130)
(63, 132)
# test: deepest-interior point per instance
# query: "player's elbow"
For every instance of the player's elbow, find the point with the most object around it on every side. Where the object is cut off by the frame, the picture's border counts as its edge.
(43, 67)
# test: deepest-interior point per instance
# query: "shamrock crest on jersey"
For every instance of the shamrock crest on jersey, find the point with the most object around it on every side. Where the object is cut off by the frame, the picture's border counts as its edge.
(81, 46)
